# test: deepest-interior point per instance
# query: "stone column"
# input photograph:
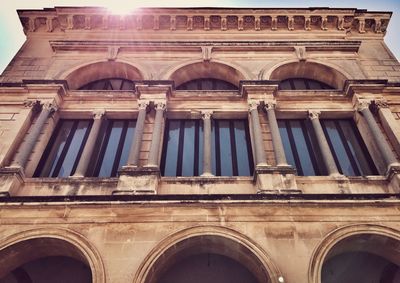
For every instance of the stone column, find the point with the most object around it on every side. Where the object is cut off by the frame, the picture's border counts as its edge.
(134, 153)
(206, 116)
(260, 158)
(379, 138)
(90, 144)
(276, 136)
(160, 107)
(327, 156)
(30, 140)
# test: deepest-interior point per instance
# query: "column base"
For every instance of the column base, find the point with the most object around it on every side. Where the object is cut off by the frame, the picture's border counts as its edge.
(137, 180)
(393, 176)
(276, 179)
(11, 179)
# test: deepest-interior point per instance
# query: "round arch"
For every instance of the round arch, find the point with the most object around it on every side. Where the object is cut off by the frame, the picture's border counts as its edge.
(88, 72)
(30, 245)
(205, 69)
(310, 69)
(353, 238)
(204, 239)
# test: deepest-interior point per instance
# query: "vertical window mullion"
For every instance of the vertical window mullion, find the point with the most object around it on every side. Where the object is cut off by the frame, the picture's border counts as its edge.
(165, 144)
(249, 151)
(65, 150)
(233, 149)
(78, 157)
(217, 149)
(180, 148)
(119, 149)
(310, 148)
(294, 148)
(103, 149)
(331, 147)
(196, 148)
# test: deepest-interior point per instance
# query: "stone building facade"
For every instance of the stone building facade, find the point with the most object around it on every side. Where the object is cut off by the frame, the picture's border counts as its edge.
(199, 144)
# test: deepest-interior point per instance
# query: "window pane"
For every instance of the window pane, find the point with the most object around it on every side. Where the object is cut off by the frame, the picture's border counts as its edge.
(299, 84)
(73, 149)
(188, 148)
(243, 161)
(171, 157)
(286, 143)
(130, 133)
(207, 84)
(225, 148)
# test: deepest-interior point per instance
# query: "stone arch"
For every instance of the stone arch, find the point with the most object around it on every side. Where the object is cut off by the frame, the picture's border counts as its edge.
(310, 69)
(188, 71)
(342, 237)
(88, 72)
(28, 246)
(222, 240)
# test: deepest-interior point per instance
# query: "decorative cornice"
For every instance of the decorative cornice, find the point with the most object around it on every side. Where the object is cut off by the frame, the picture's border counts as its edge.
(207, 19)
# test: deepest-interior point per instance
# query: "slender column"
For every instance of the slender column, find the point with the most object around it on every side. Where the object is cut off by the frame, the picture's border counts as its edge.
(134, 154)
(258, 141)
(276, 137)
(157, 133)
(377, 135)
(27, 146)
(90, 144)
(206, 115)
(327, 156)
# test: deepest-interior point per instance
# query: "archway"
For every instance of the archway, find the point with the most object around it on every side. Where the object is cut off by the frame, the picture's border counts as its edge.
(207, 254)
(205, 70)
(309, 70)
(102, 70)
(49, 255)
(360, 253)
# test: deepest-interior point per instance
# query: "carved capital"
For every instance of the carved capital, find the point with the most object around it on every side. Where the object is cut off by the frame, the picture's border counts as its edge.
(378, 104)
(313, 114)
(160, 105)
(362, 105)
(253, 105)
(98, 114)
(142, 104)
(270, 104)
(50, 106)
(206, 114)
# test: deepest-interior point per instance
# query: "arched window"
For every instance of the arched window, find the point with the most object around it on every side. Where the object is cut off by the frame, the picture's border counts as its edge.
(109, 84)
(207, 84)
(303, 84)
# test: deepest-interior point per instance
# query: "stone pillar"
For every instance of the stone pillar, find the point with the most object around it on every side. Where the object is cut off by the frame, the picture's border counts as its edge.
(379, 138)
(276, 136)
(30, 140)
(260, 158)
(207, 168)
(327, 156)
(160, 107)
(90, 144)
(134, 153)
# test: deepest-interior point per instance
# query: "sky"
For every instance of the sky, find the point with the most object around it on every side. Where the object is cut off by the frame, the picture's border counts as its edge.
(12, 36)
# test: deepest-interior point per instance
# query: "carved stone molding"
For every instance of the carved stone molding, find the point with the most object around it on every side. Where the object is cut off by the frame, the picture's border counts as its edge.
(253, 104)
(160, 105)
(270, 104)
(98, 114)
(362, 105)
(143, 104)
(206, 114)
(313, 114)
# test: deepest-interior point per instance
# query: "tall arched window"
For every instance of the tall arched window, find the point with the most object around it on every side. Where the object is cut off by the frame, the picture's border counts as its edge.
(109, 84)
(207, 84)
(303, 84)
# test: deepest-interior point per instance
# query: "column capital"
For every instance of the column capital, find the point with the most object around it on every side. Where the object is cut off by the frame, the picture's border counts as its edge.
(206, 114)
(313, 114)
(98, 114)
(142, 104)
(362, 105)
(160, 104)
(253, 104)
(50, 106)
(270, 104)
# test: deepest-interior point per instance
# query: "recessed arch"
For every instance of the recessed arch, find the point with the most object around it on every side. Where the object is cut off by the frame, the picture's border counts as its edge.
(379, 241)
(314, 70)
(205, 69)
(207, 239)
(27, 246)
(84, 74)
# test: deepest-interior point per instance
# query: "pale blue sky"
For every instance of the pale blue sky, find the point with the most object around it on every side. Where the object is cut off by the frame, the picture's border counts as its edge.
(12, 36)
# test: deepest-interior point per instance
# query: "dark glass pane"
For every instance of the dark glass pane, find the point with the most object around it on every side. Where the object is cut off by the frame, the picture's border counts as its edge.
(201, 146)
(188, 148)
(286, 143)
(225, 148)
(299, 84)
(302, 84)
(72, 154)
(111, 149)
(213, 150)
(127, 85)
(285, 85)
(116, 84)
(109, 84)
(130, 133)
(207, 84)
(243, 159)
(171, 157)
(57, 148)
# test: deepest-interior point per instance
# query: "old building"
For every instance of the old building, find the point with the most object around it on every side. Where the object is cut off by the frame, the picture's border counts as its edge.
(200, 145)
